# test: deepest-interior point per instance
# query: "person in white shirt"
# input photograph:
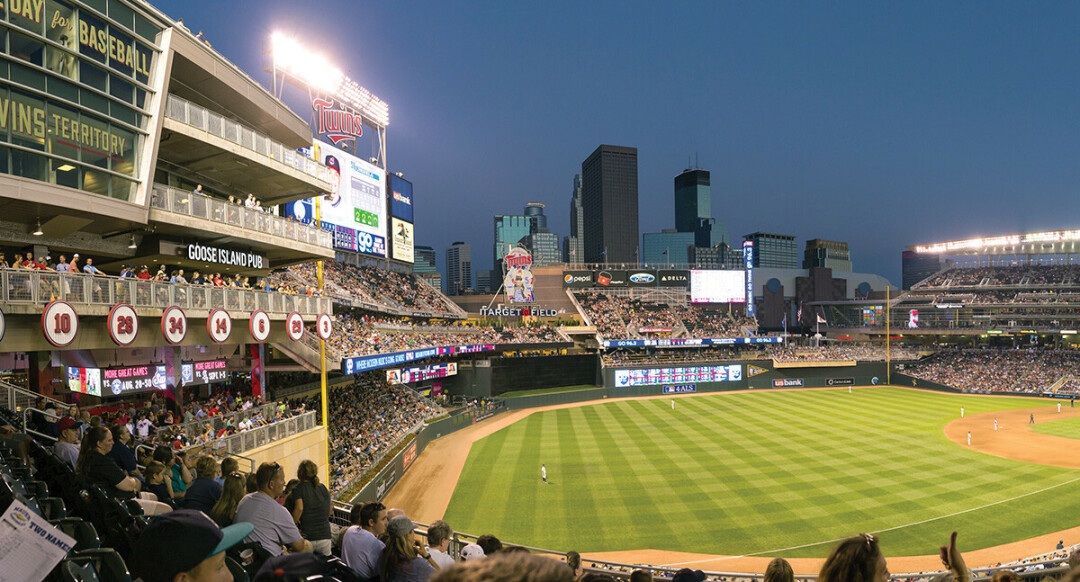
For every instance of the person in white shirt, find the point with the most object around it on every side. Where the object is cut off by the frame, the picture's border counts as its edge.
(245, 424)
(438, 541)
(143, 427)
(360, 546)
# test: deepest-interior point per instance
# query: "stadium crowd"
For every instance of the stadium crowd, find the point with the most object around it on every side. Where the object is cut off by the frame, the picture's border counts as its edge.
(367, 418)
(1001, 276)
(379, 287)
(359, 332)
(998, 370)
(617, 316)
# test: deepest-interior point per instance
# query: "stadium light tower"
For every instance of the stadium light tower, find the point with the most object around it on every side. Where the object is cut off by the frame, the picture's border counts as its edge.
(309, 70)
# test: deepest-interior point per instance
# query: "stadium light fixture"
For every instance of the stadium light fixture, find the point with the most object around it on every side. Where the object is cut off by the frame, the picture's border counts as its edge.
(38, 231)
(315, 70)
(132, 244)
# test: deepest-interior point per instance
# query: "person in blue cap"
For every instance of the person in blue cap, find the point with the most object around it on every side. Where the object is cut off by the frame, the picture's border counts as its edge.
(186, 546)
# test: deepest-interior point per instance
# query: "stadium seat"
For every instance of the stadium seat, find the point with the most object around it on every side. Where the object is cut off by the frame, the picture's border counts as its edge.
(237, 571)
(102, 564)
(83, 532)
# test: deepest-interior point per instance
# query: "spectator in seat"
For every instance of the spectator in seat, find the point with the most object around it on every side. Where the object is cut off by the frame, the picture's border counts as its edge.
(176, 469)
(204, 491)
(229, 465)
(95, 467)
(489, 543)
(779, 570)
(185, 546)
(234, 489)
(67, 448)
(438, 541)
(640, 575)
(274, 527)
(403, 559)
(573, 561)
(121, 453)
(507, 568)
(157, 483)
(360, 545)
(311, 507)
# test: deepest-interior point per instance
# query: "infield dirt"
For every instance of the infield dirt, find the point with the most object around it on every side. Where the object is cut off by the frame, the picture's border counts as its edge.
(426, 488)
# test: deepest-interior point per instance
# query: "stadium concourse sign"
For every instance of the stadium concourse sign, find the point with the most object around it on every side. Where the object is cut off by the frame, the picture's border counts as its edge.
(624, 278)
(225, 256)
(356, 365)
(689, 343)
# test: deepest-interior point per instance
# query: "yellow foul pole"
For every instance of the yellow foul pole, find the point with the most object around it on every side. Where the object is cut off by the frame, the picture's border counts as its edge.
(322, 353)
(888, 337)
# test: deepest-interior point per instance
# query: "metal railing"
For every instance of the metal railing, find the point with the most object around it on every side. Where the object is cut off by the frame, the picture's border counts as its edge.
(16, 398)
(22, 286)
(199, 426)
(263, 435)
(198, 117)
(202, 206)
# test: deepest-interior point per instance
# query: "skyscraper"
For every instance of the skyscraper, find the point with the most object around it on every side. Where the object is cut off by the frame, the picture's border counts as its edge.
(826, 253)
(458, 268)
(574, 247)
(544, 247)
(693, 199)
(774, 250)
(509, 230)
(609, 186)
(535, 212)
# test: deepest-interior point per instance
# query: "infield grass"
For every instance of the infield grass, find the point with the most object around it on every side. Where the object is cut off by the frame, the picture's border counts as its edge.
(1068, 428)
(758, 473)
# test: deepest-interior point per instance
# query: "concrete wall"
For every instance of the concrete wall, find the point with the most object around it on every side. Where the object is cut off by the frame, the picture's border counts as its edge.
(289, 452)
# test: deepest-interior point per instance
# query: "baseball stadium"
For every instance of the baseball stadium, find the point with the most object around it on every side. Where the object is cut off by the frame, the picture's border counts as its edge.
(267, 313)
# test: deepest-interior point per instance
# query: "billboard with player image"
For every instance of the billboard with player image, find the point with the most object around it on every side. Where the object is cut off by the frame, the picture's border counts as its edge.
(401, 237)
(355, 208)
(518, 276)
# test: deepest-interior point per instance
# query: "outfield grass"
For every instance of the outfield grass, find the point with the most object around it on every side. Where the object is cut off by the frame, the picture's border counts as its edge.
(763, 473)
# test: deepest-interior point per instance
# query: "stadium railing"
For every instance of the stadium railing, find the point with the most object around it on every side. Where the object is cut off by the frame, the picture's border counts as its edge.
(22, 286)
(17, 398)
(202, 206)
(186, 112)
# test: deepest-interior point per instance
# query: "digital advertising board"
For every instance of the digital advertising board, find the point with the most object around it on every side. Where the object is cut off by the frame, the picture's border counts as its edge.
(673, 278)
(359, 364)
(196, 373)
(693, 342)
(577, 278)
(421, 373)
(401, 236)
(717, 286)
(116, 381)
(401, 198)
(683, 375)
(355, 209)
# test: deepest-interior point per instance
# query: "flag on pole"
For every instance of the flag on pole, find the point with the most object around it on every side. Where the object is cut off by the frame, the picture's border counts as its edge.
(821, 319)
(783, 321)
(798, 317)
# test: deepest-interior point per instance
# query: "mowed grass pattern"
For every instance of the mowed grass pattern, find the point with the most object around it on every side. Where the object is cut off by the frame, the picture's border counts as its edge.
(764, 473)
(1068, 428)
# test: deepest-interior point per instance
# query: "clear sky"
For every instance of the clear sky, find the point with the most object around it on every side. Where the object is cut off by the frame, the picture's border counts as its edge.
(880, 124)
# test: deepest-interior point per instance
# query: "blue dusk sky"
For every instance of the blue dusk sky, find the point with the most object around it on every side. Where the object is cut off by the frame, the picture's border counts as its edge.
(879, 124)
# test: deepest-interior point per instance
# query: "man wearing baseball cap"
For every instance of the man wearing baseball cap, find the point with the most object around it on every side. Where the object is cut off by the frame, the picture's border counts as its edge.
(186, 546)
(67, 447)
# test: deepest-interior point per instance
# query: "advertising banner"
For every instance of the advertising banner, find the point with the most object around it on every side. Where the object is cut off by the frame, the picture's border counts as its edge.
(690, 374)
(401, 234)
(692, 342)
(401, 198)
(673, 278)
(610, 278)
(195, 373)
(421, 373)
(364, 363)
(788, 383)
(641, 278)
(355, 209)
(748, 264)
(117, 381)
(577, 279)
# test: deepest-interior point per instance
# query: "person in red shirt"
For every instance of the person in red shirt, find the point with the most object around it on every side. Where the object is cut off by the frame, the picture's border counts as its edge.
(73, 267)
(144, 273)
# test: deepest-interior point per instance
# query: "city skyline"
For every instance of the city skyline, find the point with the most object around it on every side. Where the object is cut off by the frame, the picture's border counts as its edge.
(881, 126)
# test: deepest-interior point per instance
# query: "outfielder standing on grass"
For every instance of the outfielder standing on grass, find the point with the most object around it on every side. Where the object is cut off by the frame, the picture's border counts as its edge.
(543, 473)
